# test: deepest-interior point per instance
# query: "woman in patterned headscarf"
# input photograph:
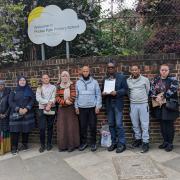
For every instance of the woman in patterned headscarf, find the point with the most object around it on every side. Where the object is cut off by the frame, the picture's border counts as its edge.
(163, 90)
(67, 121)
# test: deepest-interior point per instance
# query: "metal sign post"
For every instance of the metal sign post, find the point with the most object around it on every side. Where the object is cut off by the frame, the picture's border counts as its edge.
(67, 50)
(43, 52)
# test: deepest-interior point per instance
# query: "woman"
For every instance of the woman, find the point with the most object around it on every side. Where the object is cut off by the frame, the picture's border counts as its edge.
(4, 119)
(21, 114)
(163, 89)
(67, 121)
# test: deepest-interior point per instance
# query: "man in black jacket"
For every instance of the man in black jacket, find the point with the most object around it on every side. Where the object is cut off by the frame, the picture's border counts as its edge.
(114, 107)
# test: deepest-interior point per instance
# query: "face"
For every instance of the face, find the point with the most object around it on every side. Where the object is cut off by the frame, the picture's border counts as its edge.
(85, 71)
(111, 68)
(135, 71)
(64, 77)
(1, 87)
(164, 71)
(45, 79)
(22, 82)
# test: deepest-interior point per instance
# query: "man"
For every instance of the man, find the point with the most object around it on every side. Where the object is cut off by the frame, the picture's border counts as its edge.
(114, 107)
(45, 95)
(88, 103)
(139, 87)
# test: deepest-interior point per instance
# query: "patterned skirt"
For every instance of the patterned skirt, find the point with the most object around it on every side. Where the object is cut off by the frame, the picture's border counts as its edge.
(5, 142)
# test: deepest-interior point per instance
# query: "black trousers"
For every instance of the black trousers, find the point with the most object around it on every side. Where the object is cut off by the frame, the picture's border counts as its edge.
(15, 139)
(87, 118)
(46, 121)
(167, 130)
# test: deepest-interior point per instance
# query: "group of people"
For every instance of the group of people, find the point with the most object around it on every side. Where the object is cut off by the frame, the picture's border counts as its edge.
(75, 106)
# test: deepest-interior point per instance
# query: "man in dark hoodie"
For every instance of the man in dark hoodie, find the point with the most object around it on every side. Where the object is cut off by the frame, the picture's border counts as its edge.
(114, 107)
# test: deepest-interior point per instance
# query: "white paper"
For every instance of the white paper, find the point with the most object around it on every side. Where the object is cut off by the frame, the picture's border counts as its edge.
(109, 86)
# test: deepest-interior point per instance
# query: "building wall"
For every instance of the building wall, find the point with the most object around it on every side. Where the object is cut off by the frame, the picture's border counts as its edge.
(149, 67)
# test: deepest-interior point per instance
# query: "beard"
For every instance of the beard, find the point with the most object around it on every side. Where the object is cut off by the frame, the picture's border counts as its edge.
(86, 78)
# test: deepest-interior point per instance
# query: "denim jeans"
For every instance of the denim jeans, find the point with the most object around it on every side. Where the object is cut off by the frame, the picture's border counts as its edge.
(116, 125)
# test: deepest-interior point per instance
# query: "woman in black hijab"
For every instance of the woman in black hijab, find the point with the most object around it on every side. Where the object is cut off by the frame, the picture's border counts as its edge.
(21, 114)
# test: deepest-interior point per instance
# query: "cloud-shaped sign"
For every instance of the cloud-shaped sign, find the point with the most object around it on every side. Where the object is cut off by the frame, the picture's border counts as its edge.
(51, 25)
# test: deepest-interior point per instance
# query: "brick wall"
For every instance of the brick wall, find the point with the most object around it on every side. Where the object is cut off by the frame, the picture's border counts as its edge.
(149, 67)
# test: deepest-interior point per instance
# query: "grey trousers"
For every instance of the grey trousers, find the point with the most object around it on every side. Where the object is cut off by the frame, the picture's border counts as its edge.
(139, 114)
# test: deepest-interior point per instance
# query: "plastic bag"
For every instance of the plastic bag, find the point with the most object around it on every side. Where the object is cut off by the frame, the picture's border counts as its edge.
(105, 136)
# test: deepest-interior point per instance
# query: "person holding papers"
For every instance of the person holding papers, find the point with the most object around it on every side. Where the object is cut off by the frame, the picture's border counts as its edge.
(114, 89)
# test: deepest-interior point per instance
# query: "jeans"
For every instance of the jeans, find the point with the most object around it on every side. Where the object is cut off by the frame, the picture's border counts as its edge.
(116, 125)
(46, 121)
(140, 119)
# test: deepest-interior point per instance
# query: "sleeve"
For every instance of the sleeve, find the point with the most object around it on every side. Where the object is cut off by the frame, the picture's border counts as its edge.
(53, 96)
(59, 99)
(152, 91)
(98, 96)
(31, 102)
(12, 103)
(147, 86)
(76, 98)
(173, 88)
(123, 88)
(39, 97)
(72, 93)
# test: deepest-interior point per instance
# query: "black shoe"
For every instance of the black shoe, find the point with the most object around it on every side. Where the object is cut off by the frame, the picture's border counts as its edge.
(93, 147)
(121, 148)
(169, 148)
(42, 149)
(145, 147)
(14, 151)
(163, 145)
(112, 147)
(70, 150)
(24, 147)
(82, 147)
(49, 147)
(137, 143)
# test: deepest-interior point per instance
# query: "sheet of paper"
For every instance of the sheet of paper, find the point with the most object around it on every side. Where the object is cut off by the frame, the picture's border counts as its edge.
(109, 86)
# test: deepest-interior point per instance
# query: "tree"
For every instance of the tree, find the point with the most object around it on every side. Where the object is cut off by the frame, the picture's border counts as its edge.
(12, 25)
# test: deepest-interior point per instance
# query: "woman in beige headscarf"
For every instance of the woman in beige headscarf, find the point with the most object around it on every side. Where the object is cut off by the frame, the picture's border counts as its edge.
(67, 121)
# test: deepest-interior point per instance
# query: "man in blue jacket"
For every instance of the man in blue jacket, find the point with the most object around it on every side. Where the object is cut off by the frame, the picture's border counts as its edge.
(88, 103)
(114, 107)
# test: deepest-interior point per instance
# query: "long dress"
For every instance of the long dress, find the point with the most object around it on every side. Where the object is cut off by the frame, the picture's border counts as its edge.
(67, 122)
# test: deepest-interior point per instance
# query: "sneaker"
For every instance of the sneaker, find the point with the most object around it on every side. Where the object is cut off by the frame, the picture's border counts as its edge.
(82, 147)
(137, 143)
(112, 147)
(121, 148)
(169, 147)
(163, 145)
(23, 147)
(49, 147)
(145, 147)
(93, 147)
(42, 149)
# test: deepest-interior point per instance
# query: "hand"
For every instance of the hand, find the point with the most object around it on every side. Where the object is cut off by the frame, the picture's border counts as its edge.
(68, 102)
(48, 108)
(25, 110)
(2, 115)
(97, 110)
(104, 93)
(77, 111)
(113, 93)
(21, 111)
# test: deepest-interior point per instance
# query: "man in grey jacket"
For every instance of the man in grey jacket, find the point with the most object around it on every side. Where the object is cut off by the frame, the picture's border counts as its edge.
(139, 87)
(88, 103)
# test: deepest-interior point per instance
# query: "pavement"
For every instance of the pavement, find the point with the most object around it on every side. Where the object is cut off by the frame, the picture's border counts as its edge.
(100, 165)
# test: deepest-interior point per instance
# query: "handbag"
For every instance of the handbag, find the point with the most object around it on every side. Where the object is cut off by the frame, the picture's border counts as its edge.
(172, 105)
(15, 116)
